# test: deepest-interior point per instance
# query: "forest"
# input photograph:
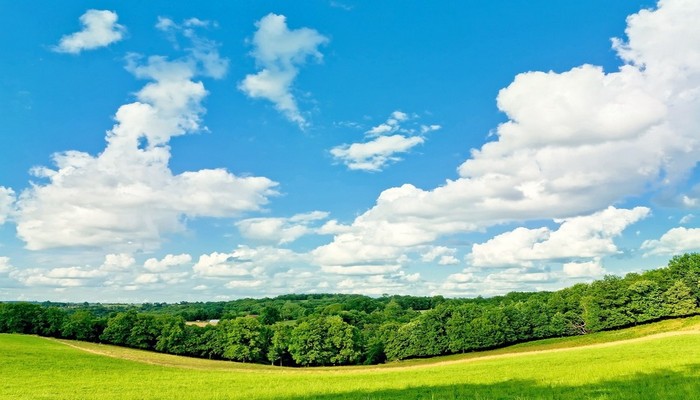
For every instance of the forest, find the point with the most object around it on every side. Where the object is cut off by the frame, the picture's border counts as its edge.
(335, 329)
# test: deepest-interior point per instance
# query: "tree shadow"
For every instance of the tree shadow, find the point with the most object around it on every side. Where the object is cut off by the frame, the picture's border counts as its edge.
(664, 384)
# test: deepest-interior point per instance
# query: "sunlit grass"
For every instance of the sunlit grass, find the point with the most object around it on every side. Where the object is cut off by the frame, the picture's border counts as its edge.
(657, 367)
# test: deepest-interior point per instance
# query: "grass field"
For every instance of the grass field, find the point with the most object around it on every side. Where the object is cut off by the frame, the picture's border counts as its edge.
(656, 361)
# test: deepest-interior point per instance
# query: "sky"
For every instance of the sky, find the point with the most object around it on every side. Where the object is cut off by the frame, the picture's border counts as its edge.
(178, 151)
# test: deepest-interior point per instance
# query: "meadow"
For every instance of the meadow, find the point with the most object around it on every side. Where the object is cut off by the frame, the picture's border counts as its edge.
(660, 360)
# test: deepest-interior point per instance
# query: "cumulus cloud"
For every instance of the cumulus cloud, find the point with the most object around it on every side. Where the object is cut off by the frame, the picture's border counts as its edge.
(444, 255)
(375, 154)
(126, 197)
(7, 200)
(5, 265)
(167, 262)
(60, 277)
(360, 269)
(578, 237)
(280, 230)
(100, 29)
(675, 241)
(562, 152)
(118, 262)
(590, 269)
(386, 141)
(375, 285)
(279, 52)
(244, 261)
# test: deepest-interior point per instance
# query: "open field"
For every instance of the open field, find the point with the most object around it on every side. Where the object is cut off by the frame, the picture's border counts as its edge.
(659, 360)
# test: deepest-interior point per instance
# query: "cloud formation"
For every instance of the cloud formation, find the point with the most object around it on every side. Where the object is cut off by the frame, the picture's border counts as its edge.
(7, 200)
(386, 141)
(563, 151)
(675, 241)
(280, 230)
(126, 198)
(100, 29)
(583, 237)
(279, 52)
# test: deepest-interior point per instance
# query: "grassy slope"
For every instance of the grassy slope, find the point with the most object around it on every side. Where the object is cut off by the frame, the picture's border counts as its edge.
(655, 367)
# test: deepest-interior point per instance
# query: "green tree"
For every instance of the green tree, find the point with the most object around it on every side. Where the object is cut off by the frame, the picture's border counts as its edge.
(269, 315)
(144, 334)
(679, 300)
(646, 302)
(119, 327)
(174, 337)
(278, 351)
(50, 322)
(19, 317)
(345, 341)
(82, 325)
(245, 339)
(324, 341)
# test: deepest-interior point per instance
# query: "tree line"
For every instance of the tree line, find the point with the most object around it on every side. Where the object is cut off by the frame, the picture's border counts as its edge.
(326, 329)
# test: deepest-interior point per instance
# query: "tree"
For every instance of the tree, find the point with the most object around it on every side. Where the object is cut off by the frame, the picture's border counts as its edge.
(119, 327)
(679, 300)
(345, 341)
(82, 325)
(325, 340)
(279, 344)
(19, 317)
(646, 302)
(174, 337)
(245, 339)
(269, 315)
(50, 322)
(144, 334)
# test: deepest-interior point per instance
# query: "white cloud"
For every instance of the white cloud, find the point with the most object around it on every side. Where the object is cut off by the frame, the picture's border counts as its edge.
(578, 237)
(100, 29)
(279, 52)
(687, 218)
(126, 198)
(220, 265)
(374, 285)
(590, 269)
(167, 262)
(7, 200)
(204, 50)
(563, 151)
(5, 265)
(244, 261)
(360, 269)
(168, 278)
(675, 241)
(448, 260)
(376, 154)
(444, 255)
(392, 124)
(333, 227)
(118, 262)
(59, 277)
(244, 284)
(280, 230)
(387, 139)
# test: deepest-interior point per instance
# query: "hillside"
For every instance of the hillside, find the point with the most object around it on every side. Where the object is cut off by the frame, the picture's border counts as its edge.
(652, 361)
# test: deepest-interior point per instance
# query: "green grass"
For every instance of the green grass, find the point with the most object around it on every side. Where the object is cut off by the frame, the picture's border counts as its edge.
(655, 367)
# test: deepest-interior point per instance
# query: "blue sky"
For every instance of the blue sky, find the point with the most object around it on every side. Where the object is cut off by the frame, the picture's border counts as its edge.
(200, 152)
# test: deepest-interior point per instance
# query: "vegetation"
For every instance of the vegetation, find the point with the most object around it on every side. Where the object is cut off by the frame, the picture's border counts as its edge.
(648, 367)
(313, 330)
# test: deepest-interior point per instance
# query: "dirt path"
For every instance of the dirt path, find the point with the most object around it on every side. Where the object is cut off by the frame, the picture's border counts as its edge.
(227, 366)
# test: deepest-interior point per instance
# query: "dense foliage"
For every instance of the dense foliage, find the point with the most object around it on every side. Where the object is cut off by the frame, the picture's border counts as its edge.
(325, 329)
